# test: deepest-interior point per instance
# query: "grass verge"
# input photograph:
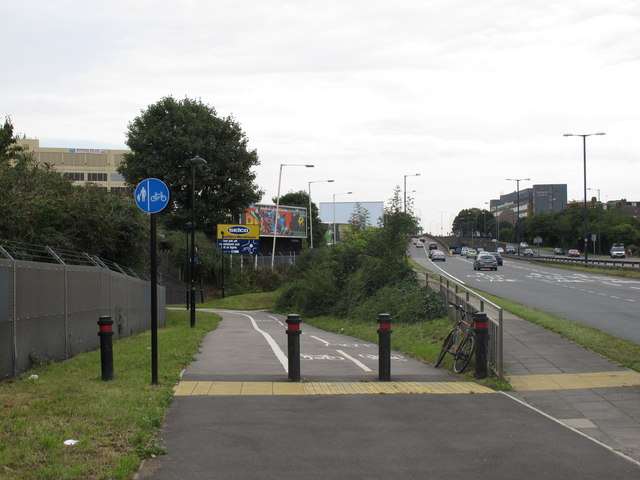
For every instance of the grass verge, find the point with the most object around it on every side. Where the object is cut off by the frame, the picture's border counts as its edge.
(249, 301)
(420, 340)
(115, 422)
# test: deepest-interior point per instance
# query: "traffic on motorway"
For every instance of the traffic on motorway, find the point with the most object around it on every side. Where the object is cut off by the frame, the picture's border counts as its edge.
(608, 303)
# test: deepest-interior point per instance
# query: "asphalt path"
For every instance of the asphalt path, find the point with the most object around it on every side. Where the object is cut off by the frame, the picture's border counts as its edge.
(482, 436)
(606, 302)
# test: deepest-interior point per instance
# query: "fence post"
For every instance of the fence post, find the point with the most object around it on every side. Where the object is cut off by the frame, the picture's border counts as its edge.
(482, 335)
(106, 347)
(293, 345)
(384, 347)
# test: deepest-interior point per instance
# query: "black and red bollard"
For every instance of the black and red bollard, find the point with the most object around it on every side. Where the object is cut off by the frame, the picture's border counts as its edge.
(482, 337)
(293, 345)
(384, 346)
(106, 347)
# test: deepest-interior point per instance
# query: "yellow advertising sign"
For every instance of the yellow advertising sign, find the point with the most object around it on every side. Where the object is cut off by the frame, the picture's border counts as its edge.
(238, 232)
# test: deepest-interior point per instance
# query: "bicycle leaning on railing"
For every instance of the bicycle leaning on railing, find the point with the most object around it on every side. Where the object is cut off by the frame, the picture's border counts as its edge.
(460, 342)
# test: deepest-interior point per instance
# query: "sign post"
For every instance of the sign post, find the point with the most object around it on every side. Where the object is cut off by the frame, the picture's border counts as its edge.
(152, 196)
(242, 239)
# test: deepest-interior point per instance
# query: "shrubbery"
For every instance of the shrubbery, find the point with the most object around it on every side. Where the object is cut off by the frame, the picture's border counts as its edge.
(365, 275)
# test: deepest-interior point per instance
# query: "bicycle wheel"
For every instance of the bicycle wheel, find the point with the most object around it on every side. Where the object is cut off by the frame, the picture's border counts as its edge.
(448, 342)
(463, 355)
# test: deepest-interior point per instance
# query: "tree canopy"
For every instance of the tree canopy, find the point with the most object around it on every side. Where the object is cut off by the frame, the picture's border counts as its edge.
(167, 135)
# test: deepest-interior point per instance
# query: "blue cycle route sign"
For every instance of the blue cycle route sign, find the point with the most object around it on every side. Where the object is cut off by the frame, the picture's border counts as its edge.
(152, 195)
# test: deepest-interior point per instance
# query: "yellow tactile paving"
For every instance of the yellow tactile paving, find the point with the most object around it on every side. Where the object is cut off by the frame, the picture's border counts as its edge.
(188, 388)
(622, 378)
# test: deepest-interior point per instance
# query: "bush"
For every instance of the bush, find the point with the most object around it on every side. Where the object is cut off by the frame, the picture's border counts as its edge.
(405, 302)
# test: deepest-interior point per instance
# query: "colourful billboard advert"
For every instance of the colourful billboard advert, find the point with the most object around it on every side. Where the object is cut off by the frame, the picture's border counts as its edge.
(292, 221)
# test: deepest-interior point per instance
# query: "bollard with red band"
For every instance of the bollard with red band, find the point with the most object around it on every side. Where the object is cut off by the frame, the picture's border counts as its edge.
(481, 327)
(384, 347)
(105, 332)
(293, 344)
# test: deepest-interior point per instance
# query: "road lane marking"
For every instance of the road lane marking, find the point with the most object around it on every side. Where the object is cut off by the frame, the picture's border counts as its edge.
(357, 362)
(326, 344)
(272, 343)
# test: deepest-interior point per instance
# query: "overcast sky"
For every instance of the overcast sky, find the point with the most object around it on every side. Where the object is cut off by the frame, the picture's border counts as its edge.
(467, 93)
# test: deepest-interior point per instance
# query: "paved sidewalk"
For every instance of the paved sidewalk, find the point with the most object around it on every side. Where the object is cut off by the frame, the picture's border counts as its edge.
(574, 386)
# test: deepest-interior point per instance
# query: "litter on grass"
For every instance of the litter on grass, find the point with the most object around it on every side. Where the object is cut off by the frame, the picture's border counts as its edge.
(71, 441)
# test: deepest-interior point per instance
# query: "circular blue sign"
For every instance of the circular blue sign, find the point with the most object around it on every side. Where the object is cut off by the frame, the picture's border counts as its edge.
(152, 195)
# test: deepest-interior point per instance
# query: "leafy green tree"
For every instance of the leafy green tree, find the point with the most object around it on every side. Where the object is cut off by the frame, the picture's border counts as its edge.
(171, 132)
(9, 148)
(359, 219)
(301, 199)
(41, 207)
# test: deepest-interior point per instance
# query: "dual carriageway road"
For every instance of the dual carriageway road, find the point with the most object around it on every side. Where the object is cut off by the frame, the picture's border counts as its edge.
(605, 302)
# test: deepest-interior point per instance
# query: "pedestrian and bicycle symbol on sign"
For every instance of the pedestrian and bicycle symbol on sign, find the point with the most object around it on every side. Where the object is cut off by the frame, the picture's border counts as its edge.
(152, 195)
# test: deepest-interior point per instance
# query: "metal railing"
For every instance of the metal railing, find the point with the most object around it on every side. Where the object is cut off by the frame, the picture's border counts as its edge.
(598, 262)
(454, 292)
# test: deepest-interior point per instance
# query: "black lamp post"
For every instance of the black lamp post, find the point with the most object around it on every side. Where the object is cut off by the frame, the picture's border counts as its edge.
(584, 163)
(518, 180)
(193, 163)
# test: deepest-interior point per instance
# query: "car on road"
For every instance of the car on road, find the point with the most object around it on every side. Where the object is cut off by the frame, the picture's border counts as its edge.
(485, 260)
(558, 251)
(464, 251)
(510, 249)
(472, 253)
(573, 252)
(433, 246)
(500, 250)
(524, 245)
(527, 252)
(617, 252)
(497, 256)
(438, 255)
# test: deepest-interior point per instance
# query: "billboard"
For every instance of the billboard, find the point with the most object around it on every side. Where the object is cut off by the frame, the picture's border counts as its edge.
(291, 222)
(239, 239)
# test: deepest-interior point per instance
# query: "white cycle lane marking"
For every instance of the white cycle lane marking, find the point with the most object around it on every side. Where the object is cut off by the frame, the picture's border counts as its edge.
(357, 362)
(272, 343)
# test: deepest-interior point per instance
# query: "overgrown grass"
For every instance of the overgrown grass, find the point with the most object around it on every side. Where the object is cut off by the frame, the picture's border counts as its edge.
(618, 350)
(249, 301)
(116, 422)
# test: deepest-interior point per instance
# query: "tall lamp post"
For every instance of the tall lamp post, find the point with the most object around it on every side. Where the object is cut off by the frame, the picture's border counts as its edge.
(518, 180)
(404, 209)
(275, 218)
(335, 229)
(584, 163)
(193, 163)
(310, 220)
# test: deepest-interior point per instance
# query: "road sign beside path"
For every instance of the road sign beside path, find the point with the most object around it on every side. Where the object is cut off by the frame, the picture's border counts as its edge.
(152, 195)
(243, 239)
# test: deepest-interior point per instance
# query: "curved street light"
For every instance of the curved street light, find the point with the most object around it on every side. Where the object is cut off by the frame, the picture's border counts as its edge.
(584, 163)
(310, 213)
(518, 180)
(275, 218)
(335, 230)
(404, 208)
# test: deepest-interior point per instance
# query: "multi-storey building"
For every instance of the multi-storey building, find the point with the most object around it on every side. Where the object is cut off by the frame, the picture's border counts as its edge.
(96, 165)
(537, 199)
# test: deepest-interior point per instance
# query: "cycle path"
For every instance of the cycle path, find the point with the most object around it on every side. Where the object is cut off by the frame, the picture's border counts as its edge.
(235, 416)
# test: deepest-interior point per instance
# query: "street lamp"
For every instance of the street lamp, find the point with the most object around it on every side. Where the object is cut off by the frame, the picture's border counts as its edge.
(310, 213)
(584, 161)
(405, 190)
(335, 230)
(193, 163)
(518, 180)
(275, 218)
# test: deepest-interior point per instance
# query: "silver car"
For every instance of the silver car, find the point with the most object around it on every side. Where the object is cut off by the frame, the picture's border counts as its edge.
(438, 255)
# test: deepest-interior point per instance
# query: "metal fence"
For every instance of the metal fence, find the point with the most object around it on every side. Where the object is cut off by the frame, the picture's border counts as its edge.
(50, 304)
(453, 292)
